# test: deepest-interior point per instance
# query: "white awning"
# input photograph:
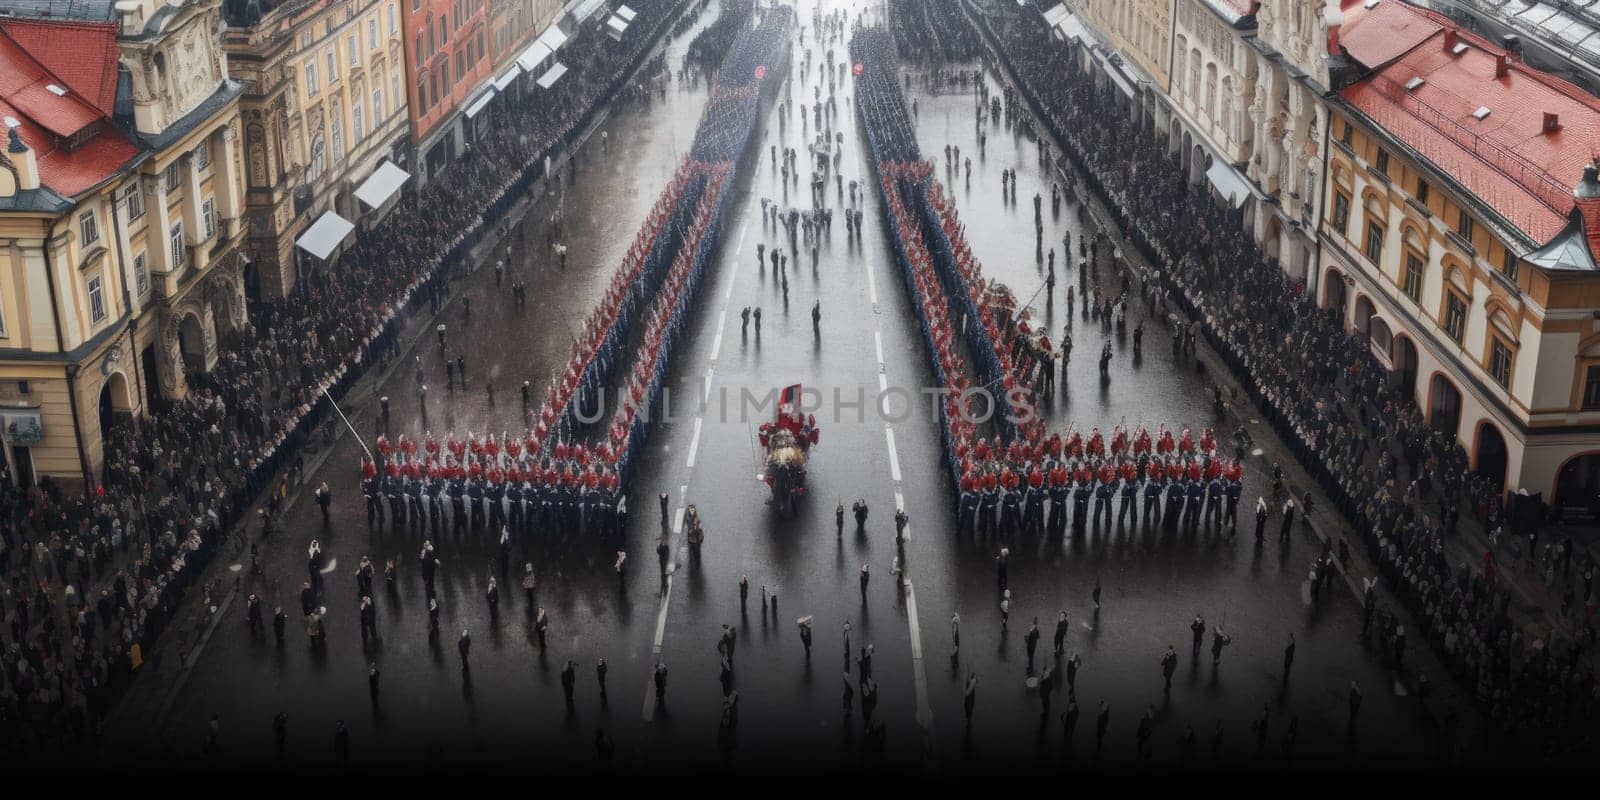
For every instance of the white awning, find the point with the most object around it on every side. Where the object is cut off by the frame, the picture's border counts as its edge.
(552, 38)
(1054, 15)
(1071, 28)
(626, 13)
(552, 75)
(382, 184)
(617, 24)
(480, 103)
(586, 9)
(325, 235)
(1121, 82)
(532, 57)
(1230, 184)
(507, 77)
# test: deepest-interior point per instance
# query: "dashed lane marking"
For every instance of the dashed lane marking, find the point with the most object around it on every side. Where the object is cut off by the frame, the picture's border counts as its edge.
(694, 442)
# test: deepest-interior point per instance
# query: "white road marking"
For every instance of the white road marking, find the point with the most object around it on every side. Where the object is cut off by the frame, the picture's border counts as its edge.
(919, 678)
(655, 649)
(705, 392)
(716, 344)
(894, 458)
(694, 443)
(877, 346)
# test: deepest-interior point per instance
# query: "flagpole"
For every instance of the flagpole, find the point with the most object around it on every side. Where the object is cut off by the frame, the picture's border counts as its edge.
(348, 425)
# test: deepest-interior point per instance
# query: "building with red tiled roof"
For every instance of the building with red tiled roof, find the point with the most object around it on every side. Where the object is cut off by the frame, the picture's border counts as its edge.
(121, 199)
(1457, 236)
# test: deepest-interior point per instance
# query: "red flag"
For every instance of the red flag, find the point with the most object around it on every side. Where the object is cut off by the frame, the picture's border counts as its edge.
(858, 69)
(761, 71)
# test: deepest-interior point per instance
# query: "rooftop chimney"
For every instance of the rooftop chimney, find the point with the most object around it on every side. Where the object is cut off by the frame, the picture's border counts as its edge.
(1501, 66)
(23, 159)
(1450, 39)
(1552, 122)
(1589, 187)
(1512, 43)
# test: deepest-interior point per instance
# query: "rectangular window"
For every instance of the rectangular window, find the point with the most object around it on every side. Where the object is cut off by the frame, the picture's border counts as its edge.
(1374, 245)
(372, 34)
(419, 50)
(208, 212)
(1349, 134)
(391, 19)
(175, 240)
(416, 5)
(1508, 264)
(377, 104)
(1464, 225)
(1383, 161)
(1422, 191)
(353, 53)
(88, 228)
(1341, 213)
(97, 300)
(333, 64)
(311, 78)
(355, 120)
(1455, 316)
(1412, 280)
(1499, 362)
(202, 156)
(133, 201)
(171, 177)
(141, 274)
(1591, 387)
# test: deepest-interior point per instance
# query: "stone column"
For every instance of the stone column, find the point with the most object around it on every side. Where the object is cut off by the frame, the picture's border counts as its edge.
(194, 226)
(228, 180)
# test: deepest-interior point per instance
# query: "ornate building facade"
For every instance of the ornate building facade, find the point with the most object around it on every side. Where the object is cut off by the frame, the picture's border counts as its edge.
(1461, 235)
(121, 220)
(325, 105)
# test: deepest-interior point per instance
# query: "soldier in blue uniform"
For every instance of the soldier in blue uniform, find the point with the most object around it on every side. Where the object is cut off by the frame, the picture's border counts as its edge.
(1196, 492)
(1214, 491)
(1234, 489)
(1080, 504)
(414, 500)
(513, 495)
(1130, 501)
(475, 502)
(369, 490)
(435, 490)
(966, 506)
(1058, 506)
(1011, 510)
(988, 511)
(1102, 502)
(458, 505)
(397, 503)
(1152, 500)
(495, 494)
(1033, 512)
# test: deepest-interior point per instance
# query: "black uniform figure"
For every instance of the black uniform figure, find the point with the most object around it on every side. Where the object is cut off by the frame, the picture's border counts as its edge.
(464, 645)
(1169, 665)
(1288, 657)
(660, 678)
(569, 679)
(1198, 627)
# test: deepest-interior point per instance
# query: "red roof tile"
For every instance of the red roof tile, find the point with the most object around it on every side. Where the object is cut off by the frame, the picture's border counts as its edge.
(1506, 159)
(47, 121)
(83, 55)
(1378, 35)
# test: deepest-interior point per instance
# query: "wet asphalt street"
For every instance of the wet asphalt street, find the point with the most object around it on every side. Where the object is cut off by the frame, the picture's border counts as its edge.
(508, 709)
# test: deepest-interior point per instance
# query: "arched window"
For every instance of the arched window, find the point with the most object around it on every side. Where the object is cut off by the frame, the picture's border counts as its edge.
(1177, 67)
(1415, 269)
(1211, 91)
(1194, 76)
(1227, 108)
(319, 158)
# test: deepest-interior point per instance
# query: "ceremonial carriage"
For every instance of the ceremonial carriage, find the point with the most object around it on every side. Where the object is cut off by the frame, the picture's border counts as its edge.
(787, 441)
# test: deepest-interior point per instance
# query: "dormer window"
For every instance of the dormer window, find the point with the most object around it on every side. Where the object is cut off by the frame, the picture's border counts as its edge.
(56, 90)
